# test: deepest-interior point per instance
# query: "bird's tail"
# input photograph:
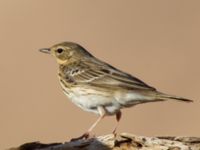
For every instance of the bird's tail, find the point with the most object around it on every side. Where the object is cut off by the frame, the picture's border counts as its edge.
(163, 96)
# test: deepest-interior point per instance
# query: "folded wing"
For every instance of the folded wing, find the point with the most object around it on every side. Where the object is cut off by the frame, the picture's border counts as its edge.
(103, 75)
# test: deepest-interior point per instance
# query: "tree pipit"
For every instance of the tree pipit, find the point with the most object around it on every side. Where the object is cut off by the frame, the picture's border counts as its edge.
(98, 87)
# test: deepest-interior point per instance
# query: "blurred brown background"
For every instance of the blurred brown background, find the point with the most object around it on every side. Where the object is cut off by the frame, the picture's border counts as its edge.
(157, 41)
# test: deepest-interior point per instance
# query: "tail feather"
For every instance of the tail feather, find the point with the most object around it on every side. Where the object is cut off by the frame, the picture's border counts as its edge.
(166, 96)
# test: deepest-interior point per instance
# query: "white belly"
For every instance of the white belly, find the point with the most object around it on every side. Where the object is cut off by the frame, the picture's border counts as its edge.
(90, 102)
(90, 99)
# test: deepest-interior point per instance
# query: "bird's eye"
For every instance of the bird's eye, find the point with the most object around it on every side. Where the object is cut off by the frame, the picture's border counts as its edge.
(59, 50)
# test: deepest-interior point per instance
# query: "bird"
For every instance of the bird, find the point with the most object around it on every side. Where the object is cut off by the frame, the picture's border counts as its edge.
(98, 87)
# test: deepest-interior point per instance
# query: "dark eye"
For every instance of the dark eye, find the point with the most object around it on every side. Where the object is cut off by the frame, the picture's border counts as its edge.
(59, 50)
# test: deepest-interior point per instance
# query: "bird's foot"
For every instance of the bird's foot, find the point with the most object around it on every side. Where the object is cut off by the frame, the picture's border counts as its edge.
(114, 132)
(84, 136)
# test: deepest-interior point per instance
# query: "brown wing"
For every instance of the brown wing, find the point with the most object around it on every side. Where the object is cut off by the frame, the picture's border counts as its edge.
(101, 74)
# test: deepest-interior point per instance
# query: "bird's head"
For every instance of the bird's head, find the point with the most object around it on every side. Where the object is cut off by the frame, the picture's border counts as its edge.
(67, 52)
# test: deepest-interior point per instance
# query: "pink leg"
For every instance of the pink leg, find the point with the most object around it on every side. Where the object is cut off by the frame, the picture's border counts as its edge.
(102, 114)
(118, 117)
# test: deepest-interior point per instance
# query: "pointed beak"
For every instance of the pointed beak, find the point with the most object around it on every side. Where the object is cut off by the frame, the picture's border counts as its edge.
(45, 50)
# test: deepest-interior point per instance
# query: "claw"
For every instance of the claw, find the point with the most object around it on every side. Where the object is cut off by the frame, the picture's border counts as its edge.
(84, 136)
(115, 134)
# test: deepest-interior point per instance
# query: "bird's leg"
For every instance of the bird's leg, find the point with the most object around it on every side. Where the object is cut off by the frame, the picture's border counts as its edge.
(118, 117)
(102, 114)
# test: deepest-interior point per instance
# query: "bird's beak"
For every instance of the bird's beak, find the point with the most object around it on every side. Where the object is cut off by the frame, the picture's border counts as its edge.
(45, 50)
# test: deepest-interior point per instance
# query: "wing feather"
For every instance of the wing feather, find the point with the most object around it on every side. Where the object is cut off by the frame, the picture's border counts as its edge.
(104, 75)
